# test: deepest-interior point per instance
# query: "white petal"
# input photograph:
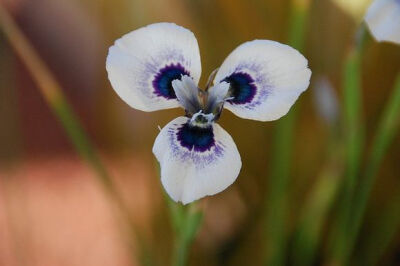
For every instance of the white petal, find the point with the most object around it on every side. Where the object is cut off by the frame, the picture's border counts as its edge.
(142, 64)
(383, 19)
(266, 77)
(195, 162)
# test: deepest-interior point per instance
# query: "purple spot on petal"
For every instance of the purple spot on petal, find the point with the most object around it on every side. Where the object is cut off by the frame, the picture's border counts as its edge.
(243, 88)
(198, 138)
(200, 159)
(162, 82)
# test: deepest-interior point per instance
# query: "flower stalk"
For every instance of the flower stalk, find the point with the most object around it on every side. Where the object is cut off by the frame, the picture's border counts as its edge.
(353, 131)
(186, 221)
(387, 130)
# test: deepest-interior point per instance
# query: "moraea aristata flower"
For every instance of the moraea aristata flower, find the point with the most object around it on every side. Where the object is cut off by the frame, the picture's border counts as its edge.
(383, 20)
(158, 67)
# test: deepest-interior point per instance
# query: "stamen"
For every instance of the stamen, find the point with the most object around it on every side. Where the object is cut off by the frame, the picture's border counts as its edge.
(201, 120)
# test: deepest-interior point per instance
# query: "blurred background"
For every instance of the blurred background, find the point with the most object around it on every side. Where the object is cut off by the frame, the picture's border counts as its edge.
(53, 210)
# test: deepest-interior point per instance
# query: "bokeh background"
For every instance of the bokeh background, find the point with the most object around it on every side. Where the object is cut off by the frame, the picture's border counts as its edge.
(53, 211)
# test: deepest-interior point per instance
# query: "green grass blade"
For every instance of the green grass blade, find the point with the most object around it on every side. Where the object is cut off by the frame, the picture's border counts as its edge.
(353, 128)
(298, 22)
(382, 234)
(320, 200)
(276, 205)
(387, 130)
(354, 135)
(319, 203)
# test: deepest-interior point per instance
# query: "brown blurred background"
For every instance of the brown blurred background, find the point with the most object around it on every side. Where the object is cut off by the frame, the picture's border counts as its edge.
(52, 209)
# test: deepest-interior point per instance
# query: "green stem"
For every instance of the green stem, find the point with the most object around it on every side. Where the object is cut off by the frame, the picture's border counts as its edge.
(354, 136)
(186, 222)
(319, 203)
(354, 142)
(276, 202)
(298, 22)
(387, 130)
(383, 233)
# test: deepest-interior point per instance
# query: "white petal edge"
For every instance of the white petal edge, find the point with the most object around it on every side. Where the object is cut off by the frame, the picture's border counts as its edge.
(280, 74)
(135, 59)
(190, 175)
(383, 20)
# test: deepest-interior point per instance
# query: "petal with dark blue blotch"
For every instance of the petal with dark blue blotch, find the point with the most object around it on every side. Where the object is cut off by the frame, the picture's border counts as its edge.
(162, 82)
(195, 161)
(143, 63)
(242, 87)
(265, 78)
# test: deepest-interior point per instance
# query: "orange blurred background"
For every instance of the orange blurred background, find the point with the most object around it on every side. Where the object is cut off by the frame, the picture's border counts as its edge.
(52, 209)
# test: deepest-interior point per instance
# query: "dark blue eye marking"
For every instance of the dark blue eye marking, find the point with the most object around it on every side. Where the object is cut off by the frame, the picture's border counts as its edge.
(162, 82)
(198, 138)
(243, 88)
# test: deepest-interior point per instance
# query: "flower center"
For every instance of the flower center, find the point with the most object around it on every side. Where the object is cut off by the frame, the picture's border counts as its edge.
(200, 119)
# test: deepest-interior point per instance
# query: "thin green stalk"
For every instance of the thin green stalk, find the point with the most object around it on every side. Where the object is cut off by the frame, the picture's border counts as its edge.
(319, 203)
(387, 130)
(313, 216)
(55, 99)
(298, 22)
(186, 221)
(354, 141)
(383, 233)
(276, 207)
(276, 198)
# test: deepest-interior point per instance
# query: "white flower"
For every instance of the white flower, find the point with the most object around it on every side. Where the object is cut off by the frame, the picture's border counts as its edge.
(158, 67)
(383, 20)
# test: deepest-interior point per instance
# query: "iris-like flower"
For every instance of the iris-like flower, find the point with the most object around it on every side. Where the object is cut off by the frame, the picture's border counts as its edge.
(383, 19)
(158, 67)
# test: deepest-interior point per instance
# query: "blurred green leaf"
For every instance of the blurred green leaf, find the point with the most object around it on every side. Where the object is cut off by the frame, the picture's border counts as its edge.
(388, 128)
(319, 202)
(354, 139)
(382, 234)
(278, 179)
